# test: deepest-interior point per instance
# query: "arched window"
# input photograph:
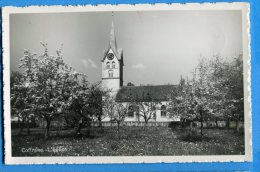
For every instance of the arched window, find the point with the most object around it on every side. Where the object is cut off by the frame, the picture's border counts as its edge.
(108, 65)
(113, 65)
(131, 111)
(163, 111)
(110, 74)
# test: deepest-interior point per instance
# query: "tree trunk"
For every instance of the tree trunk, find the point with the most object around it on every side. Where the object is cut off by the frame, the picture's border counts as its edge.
(145, 124)
(201, 124)
(118, 127)
(21, 123)
(67, 123)
(47, 129)
(227, 123)
(92, 123)
(88, 128)
(182, 123)
(79, 126)
(111, 123)
(216, 121)
(118, 130)
(28, 126)
(101, 126)
(192, 130)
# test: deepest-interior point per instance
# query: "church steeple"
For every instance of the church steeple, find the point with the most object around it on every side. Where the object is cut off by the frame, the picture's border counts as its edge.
(112, 41)
(112, 64)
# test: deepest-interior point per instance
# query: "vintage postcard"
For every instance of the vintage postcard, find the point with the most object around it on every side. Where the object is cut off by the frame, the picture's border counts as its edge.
(127, 83)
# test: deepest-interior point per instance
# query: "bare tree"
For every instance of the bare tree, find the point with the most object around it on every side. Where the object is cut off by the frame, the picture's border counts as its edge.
(147, 110)
(119, 116)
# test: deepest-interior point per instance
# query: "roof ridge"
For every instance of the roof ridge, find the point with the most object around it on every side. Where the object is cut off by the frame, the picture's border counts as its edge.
(150, 85)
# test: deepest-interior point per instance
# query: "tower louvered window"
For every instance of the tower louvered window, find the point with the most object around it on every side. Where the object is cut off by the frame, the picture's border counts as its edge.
(113, 65)
(108, 65)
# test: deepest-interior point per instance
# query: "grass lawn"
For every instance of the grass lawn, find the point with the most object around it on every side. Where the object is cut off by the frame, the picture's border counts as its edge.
(134, 141)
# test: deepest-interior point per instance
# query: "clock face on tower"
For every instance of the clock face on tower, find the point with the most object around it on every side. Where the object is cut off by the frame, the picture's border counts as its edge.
(110, 56)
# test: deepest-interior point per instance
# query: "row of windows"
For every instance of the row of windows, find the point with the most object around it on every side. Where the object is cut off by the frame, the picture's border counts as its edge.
(131, 111)
(109, 65)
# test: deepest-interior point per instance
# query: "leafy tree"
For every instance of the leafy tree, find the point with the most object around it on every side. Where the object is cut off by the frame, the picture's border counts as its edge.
(20, 101)
(78, 102)
(109, 106)
(22, 95)
(96, 102)
(235, 91)
(184, 105)
(215, 92)
(216, 79)
(51, 84)
(226, 80)
(201, 89)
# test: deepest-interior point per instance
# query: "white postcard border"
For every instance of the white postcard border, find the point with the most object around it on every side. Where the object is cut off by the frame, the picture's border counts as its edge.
(244, 7)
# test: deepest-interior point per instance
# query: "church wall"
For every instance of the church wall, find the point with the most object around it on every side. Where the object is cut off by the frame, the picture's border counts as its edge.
(112, 84)
(158, 118)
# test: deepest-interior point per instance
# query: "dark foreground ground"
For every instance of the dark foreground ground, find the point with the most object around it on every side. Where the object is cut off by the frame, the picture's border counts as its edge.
(134, 141)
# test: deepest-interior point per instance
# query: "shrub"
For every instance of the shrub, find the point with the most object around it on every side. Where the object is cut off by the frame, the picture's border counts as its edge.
(174, 124)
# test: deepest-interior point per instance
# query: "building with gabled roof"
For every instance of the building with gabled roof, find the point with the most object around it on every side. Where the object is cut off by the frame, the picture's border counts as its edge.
(112, 79)
(145, 93)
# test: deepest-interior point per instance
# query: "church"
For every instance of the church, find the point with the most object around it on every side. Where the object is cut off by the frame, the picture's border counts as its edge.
(112, 79)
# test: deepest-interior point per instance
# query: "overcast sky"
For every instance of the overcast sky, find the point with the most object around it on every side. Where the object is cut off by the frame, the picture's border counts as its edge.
(158, 46)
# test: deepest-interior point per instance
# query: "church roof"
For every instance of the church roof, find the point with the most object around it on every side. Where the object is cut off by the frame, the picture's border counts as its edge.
(112, 41)
(145, 93)
(113, 45)
(118, 53)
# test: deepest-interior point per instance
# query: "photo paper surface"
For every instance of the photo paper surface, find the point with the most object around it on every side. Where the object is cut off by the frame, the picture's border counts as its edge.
(127, 84)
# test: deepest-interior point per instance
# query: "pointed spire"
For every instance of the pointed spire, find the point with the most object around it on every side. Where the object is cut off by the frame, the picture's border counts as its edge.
(112, 41)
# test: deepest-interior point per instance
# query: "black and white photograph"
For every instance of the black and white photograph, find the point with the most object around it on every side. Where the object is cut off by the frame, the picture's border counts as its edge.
(145, 83)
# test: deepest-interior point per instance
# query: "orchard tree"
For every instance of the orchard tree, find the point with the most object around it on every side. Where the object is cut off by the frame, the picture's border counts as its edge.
(48, 79)
(147, 110)
(95, 103)
(203, 92)
(218, 75)
(109, 106)
(20, 101)
(215, 92)
(120, 114)
(180, 102)
(226, 82)
(192, 98)
(235, 93)
(77, 107)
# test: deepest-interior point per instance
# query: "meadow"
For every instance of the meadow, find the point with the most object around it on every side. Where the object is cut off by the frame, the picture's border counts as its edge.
(132, 141)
